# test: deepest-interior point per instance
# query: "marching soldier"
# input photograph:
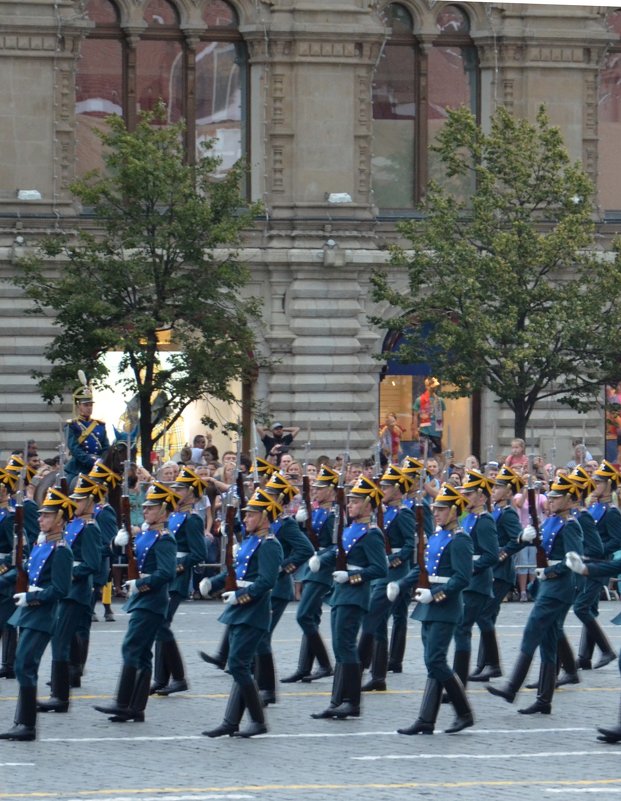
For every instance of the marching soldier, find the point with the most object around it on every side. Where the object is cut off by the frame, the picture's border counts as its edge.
(147, 604)
(510, 540)
(87, 440)
(363, 545)
(17, 466)
(8, 574)
(49, 575)
(601, 570)
(105, 517)
(560, 534)
(316, 586)
(296, 550)
(589, 589)
(188, 530)
(480, 526)
(248, 612)
(399, 524)
(448, 561)
(74, 611)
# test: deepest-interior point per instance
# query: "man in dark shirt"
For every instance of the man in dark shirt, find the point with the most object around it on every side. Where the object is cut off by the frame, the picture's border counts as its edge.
(277, 440)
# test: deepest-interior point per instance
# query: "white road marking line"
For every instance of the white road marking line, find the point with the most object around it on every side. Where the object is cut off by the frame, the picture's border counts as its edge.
(167, 797)
(597, 790)
(17, 764)
(505, 756)
(300, 735)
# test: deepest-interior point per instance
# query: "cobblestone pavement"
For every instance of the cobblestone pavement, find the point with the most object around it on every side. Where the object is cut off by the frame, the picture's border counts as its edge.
(81, 756)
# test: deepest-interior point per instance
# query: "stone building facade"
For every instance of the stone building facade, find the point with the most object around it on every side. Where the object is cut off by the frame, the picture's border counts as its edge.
(331, 101)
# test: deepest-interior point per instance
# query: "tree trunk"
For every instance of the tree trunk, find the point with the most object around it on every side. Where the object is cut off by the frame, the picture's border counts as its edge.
(146, 428)
(522, 416)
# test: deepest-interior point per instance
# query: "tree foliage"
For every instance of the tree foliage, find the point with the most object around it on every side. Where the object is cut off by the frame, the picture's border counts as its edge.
(506, 291)
(161, 257)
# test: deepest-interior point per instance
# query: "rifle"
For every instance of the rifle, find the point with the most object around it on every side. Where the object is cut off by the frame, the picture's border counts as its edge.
(423, 576)
(448, 455)
(306, 497)
(379, 512)
(255, 453)
(62, 452)
(230, 583)
(341, 556)
(239, 476)
(21, 582)
(126, 523)
(542, 559)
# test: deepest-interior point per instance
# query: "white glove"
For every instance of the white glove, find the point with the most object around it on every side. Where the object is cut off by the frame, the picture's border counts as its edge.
(539, 572)
(20, 599)
(574, 562)
(122, 538)
(41, 539)
(529, 534)
(35, 589)
(314, 563)
(130, 586)
(392, 590)
(144, 526)
(301, 515)
(204, 587)
(340, 576)
(229, 597)
(423, 596)
(236, 547)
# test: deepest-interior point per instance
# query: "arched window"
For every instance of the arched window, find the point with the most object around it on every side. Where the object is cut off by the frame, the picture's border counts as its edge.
(202, 82)
(609, 120)
(413, 87)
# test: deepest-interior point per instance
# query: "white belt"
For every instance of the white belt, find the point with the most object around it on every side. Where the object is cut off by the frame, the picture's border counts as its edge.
(33, 588)
(354, 567)
(552, 562)
(476, 557)
(77, 564)
(2, 555)
(181, 554)
(145, 575)
(438, 579)
(241, 583)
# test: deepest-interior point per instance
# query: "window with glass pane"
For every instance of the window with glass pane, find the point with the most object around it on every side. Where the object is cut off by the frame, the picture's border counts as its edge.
(407, 115)
(609, 122)
(164, 59)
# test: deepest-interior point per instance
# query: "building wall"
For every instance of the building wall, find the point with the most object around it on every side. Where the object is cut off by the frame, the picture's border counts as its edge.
(311, 73)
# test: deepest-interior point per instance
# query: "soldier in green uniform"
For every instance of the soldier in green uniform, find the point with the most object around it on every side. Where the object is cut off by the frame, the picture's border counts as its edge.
(364, 550)
(8, 574)
(297, 550)
(448, 562)
(155, 553)
(188, 529)
(560, 533)
(399, 525)
(248, 612)
(83, 537)
(17, 466)
(49, 574)
(510, 540)
(106, 518)
(316, 586)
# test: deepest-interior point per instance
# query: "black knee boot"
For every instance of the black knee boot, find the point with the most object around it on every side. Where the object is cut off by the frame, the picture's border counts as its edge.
(232, 715)
(59, 695)
(512, 687)
(337, 694)
(25, 716)
(481, 661)
(567, 661)
(350, 705)
(125, 690)
(610, 734)
(254, 705)
(138, 701)
(320, 653)
(429, 708)
(601, 640)
(77, 659)
(463, 711)
(9, 647)
(305, 663)
(174, 663)
(585, 649)
(461, 666)
(265, 676)
(160, 671)
(398, 638)
(365, 649)
(379, 667)
(220, 658)
(545, 691)
(491, 670)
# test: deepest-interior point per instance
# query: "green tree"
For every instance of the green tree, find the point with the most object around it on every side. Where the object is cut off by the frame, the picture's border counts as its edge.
(161, 257)
(505, 289)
